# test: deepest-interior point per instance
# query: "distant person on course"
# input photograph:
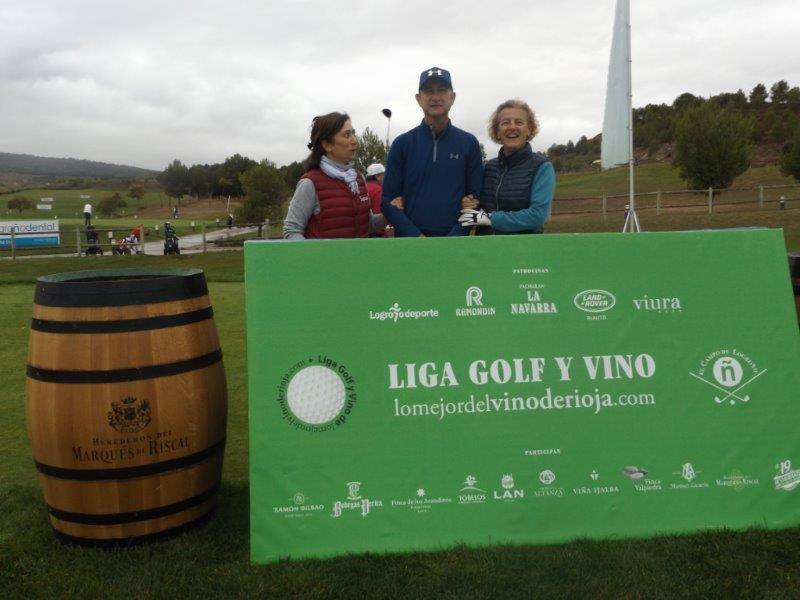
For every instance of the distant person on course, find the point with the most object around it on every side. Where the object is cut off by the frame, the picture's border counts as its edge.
(432, 167)
(519, 184)
(87, 214)
(331, 199)
(375, 174)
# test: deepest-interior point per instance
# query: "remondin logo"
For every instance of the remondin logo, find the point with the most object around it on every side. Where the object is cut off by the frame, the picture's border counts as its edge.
(474, 296)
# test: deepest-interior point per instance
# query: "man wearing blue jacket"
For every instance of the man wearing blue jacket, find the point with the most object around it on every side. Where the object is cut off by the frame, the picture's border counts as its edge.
(432, 167)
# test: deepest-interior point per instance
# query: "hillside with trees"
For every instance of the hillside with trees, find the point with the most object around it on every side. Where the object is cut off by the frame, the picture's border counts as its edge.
(773, 114)
(48, 168)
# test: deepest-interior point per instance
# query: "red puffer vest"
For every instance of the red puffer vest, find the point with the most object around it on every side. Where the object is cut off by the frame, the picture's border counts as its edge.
(341, 213)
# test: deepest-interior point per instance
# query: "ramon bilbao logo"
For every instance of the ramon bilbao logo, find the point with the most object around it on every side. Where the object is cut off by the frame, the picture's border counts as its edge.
(730, 372)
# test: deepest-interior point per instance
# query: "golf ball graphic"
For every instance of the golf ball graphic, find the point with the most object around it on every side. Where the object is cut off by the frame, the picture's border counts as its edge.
(315, 395)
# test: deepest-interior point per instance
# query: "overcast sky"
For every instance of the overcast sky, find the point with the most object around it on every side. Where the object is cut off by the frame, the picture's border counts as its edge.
(143, 82)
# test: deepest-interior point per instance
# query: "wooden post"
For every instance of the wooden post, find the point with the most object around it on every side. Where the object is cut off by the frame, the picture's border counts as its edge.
(204, 237)
(761, 197)
(605, 206)
(78, 240)
(266, 227)
(710, 200)
(658, 202)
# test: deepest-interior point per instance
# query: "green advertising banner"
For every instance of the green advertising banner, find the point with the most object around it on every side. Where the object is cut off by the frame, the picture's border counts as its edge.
(414, 394)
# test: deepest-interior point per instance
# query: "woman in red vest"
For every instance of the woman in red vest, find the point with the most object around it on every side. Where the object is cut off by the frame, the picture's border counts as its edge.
(331, 199)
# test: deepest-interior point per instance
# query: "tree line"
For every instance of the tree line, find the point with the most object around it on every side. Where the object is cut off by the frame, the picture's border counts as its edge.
(774, 116)
(714, 141)
(264, 185)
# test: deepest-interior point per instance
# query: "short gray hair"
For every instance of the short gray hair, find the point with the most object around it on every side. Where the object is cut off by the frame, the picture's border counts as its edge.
(494, 120)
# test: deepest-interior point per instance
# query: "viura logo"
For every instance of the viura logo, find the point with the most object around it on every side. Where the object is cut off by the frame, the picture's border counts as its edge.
(658, 304)
(595, 302)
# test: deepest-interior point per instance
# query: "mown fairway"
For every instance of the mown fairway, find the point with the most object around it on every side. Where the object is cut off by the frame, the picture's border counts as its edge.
(212, 560)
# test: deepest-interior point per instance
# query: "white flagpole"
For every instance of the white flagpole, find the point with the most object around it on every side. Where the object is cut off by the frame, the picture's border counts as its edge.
(631, 220)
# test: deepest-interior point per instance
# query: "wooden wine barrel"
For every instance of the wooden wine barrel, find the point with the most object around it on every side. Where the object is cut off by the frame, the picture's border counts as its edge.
(126, 401)
(794, 271)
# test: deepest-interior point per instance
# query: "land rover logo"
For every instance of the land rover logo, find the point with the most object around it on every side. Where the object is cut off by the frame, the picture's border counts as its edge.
(595, 301)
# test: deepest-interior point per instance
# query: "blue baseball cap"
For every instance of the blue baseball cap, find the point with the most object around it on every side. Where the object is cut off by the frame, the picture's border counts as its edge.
(433, 73)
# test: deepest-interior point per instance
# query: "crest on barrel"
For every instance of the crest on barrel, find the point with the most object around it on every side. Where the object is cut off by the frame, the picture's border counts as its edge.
(128, 415)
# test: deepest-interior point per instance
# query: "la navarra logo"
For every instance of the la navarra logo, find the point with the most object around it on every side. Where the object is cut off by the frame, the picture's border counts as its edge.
(129, 416)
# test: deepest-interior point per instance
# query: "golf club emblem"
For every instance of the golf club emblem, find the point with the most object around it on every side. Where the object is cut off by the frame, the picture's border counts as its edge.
(726, 373)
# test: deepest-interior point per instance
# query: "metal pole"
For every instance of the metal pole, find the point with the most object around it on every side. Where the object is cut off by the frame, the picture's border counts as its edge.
(204, 238)
(266, 225)
(658, 202)
(605, 207)
(633, 221)
(710, 200)
(13, 245)
(630, 115)
(388, 114)
(761, 197)
(78, 240)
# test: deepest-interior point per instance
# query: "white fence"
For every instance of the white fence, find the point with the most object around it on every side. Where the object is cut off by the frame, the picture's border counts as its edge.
(763, 197)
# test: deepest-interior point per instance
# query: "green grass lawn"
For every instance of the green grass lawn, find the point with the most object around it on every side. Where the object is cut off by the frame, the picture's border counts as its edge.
(651, 177)
(68, 204)
(212, 560)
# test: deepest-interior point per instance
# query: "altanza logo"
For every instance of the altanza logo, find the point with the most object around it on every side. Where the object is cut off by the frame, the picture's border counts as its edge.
(395, 313)
(595, 301)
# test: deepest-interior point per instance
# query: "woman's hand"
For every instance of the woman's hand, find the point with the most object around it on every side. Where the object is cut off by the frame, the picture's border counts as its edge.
(469, 201)
(398, 203)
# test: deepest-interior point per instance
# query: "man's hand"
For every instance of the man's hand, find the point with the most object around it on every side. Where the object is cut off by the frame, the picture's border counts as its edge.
(398, 203)
(471, 218)
(469, 201)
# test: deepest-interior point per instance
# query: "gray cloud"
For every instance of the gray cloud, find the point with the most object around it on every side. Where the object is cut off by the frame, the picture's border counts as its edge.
(143, 83)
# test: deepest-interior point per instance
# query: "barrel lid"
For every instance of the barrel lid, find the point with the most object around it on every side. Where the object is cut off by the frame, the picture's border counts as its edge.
(119, 287)
(794, 263)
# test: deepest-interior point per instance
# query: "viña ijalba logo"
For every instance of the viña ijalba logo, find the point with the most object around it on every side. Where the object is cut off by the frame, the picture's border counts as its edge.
(395, 313)
(729, 372)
